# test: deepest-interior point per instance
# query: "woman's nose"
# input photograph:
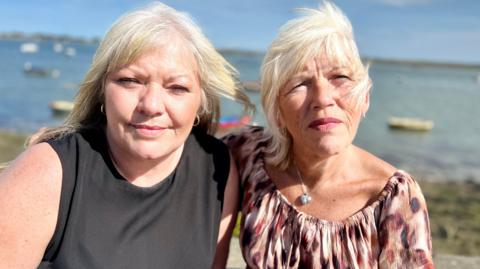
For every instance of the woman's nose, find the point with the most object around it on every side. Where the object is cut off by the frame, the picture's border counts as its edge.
(152, 100)
(323, 93)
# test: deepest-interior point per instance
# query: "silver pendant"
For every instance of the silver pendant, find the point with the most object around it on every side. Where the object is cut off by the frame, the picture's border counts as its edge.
(305, 199)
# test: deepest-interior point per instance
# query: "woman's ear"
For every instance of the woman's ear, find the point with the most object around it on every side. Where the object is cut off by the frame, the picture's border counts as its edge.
(279, 120)
(366, 104)
(366, 100)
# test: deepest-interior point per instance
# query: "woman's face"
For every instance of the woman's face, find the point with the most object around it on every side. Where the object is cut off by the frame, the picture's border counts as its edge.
(151, 104)
(315, 108)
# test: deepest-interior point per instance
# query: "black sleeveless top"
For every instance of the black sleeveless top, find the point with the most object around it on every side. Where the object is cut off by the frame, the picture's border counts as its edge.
(106, 222)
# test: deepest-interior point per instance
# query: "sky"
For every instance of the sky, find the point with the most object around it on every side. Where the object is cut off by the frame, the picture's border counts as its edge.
(431, 30)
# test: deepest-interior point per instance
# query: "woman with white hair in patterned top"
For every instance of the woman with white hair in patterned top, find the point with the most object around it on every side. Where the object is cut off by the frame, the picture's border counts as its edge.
(312, 199)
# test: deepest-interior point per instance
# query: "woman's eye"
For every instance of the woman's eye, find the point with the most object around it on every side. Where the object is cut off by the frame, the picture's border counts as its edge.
(178, 89)
(128, 81)
(341, 81)
(341, 77)
(305, 83)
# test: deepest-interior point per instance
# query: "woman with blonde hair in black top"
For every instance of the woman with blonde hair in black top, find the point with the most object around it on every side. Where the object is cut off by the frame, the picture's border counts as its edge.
(133, 179)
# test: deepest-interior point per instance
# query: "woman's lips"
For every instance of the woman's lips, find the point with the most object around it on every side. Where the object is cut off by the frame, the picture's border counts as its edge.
(148, 130)
(324, 124)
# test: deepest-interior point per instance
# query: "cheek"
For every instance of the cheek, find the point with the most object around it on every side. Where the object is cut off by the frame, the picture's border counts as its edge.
(288, 109)
(185, 111)
(292, 121)
(352, 111)
(353, 120)
(119, 104)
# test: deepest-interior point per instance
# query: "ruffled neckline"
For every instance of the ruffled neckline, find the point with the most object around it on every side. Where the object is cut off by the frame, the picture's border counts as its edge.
(359, 216)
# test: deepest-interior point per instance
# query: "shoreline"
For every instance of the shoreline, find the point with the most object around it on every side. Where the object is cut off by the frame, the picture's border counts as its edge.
(454, 206)
(11, 144)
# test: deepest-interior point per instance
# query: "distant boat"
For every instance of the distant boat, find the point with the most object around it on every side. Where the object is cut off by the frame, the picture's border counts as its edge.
(70, 85)
(29, 47)
(251, 85)
(70, 51)
(57, 47)
(61, 108)
(410, 124)
(31, 70)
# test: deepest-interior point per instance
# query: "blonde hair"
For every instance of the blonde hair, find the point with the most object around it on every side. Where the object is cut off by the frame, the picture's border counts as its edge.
(324, 31)
(128, 38)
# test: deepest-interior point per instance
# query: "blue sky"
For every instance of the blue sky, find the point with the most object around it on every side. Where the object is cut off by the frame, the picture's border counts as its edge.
(434, 30)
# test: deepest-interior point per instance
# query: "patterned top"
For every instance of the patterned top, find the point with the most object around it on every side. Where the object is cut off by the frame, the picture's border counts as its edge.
(391, 232)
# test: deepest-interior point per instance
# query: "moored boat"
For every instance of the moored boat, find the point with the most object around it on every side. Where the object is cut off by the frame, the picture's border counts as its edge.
(251, 85)
(410, 124)
(35, 71)
(29, 47)
(60, 107)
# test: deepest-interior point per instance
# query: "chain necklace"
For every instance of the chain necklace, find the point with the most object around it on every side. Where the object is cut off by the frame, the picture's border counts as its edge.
(305, 198)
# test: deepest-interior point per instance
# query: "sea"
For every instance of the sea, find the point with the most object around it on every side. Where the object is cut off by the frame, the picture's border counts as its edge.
(448, 95)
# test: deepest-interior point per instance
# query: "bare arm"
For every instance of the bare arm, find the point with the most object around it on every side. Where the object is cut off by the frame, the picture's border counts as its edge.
(229, 217)
(29, 202)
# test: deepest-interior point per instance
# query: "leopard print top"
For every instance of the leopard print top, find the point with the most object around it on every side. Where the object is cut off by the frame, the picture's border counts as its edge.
(391, 232)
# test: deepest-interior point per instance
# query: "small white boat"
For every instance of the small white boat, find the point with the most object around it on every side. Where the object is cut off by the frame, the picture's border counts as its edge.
(60, 107)
(251, 85)
(29, 47)
(70, 51)
(57, 47)
(35, 71)
(70, 85)
(410, 124)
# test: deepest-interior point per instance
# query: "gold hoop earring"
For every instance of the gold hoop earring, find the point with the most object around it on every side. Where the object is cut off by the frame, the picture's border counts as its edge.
(102, 109)
(196, 122)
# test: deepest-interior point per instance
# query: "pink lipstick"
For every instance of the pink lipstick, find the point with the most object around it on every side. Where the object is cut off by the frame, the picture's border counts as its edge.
(324, 124)
(148, 130)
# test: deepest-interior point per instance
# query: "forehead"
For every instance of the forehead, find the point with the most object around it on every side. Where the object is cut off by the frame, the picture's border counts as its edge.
(167, 61)
(169, 50)
(172, 53)
(325, 62)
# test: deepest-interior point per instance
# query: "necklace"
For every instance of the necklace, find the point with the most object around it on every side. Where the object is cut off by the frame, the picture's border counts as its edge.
(305, 198)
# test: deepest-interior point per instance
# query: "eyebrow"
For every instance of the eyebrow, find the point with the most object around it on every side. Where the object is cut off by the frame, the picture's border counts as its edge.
(301, 74)
(342, 67)
(176, 76)
(133, 68)
(142, 72)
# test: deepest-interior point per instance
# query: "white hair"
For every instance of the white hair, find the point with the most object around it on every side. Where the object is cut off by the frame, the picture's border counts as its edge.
(324, 31)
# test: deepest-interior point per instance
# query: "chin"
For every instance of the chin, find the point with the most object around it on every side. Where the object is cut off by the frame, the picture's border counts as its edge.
(331, 149)
(146, 155)
(151, 152)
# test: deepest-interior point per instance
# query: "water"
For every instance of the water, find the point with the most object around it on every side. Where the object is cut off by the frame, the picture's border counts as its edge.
(449, 97)
(446, 95)
(24, 99)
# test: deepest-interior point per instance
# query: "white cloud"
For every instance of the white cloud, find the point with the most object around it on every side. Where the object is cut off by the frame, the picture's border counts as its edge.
(401, 3)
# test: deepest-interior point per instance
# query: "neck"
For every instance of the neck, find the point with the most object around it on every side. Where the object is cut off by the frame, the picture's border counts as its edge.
(318, 170)
(145, 173)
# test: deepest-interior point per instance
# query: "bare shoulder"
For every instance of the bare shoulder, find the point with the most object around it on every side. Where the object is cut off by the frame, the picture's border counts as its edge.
(29, 202)
(372, 166)
(39, 162)
(374, 172)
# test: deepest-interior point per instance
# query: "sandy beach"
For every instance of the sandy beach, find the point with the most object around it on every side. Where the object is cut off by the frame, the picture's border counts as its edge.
(454, 209)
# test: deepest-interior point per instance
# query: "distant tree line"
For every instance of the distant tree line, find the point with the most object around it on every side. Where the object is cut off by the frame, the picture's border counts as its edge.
(47, 37)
